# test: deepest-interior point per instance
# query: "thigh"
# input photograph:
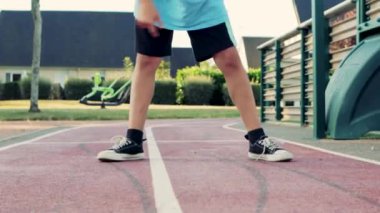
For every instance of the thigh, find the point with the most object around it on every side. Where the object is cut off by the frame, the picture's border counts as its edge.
(148, 45)
(209, 41)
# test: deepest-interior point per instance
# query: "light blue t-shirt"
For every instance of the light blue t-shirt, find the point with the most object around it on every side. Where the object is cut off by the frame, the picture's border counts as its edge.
(190, 14)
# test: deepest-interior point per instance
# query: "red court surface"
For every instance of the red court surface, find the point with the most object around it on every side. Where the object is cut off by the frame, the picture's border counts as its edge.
(190, 166)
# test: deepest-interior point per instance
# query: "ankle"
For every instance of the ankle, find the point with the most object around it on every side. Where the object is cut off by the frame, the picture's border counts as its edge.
(135, 135)
(255, 135)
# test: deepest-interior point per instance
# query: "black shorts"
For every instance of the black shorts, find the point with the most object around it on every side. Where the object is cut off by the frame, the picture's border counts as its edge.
(205, 42)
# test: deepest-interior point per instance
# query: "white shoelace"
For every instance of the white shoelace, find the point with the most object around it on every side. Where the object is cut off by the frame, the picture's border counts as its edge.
(268, 143)
(119, 141)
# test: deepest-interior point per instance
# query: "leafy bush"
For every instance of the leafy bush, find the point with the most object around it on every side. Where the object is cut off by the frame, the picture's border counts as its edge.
(44, 88)
(254, 75)
(207, 71)
(1, 91)
(116, 87)
(165, 92)
(198, 90)
(163, 71)
(76, 88)
(255, 89)
(11, 91)
(256, 92)
(217, 77)
(56, 92)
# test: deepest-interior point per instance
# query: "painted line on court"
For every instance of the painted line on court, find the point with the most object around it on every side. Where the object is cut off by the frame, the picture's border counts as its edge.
(36, 139)
(198, 141)
(164, 195)
(62, 142)
(229, 126)
(57, 132)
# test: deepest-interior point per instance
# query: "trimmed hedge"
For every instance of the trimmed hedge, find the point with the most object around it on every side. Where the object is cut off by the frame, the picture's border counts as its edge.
(254, 75)
(117, 86)
(44, 88)
(198, 90)
(217, 77)
(56, 92)
(213, 73)
(255, 89)
(1, 91)
(11, 91)
(165, 92)
(76, 88)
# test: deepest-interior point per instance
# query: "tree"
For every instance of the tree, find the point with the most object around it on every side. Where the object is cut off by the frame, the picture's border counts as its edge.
(37, 20)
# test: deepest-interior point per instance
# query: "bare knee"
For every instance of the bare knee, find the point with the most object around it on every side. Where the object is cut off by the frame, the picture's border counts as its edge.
(228, 61)
(146, 63)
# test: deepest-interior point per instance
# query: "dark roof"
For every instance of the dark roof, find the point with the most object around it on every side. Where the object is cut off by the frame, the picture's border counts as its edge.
(303, 8)
(181, 58)
(69, 39)
(251, 51)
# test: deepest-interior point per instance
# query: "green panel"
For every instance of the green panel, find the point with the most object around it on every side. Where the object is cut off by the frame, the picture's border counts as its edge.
(368, 28)
(278, 81)
(262, 101)
(361, 16)
(303, 76)
(358, 78)
(321, 67)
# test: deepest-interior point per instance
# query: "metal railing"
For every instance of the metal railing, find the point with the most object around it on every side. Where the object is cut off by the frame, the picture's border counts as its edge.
(287, 62)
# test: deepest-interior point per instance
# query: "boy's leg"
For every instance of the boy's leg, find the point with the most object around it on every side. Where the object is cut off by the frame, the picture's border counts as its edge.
(239, 88)
(142, 90)
(215, 42)
(261, 147)
(150, 50)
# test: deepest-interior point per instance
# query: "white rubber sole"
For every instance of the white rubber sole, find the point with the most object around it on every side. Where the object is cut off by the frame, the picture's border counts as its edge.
(109, 155)
(278, 156)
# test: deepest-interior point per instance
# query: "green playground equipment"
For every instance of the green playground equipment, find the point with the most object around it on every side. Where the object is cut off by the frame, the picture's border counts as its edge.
(342, 42)
(353, 94)
(108, 95)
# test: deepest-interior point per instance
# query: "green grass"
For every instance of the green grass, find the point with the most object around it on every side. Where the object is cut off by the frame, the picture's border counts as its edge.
(114, 114)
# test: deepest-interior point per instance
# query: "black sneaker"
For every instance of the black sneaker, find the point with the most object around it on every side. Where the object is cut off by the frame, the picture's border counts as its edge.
(123, 150)
(268, 150)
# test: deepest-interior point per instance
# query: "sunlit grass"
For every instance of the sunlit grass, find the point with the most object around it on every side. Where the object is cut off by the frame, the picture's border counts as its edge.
(72, 110)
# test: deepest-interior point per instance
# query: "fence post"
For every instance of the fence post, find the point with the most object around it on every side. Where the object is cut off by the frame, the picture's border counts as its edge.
(304, 79)
(278, 80)
(262, 87)
(361, 16)
(321, 67)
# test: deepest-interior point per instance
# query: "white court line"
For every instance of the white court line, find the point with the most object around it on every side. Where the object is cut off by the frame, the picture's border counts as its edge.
(35, 139)
(228, 126)
(54, 133)
(198, 141)
(62, 142)
(164, 195)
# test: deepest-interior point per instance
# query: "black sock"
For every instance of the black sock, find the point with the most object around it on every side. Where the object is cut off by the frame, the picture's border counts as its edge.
(255, 135)
(135, 135)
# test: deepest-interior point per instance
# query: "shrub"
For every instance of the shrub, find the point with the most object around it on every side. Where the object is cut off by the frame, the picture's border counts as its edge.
(256, 92)
(207, 71)
(255, 89)
(56, 92)
(76, 88)
(163, 70)
(217, 77)
(11, 91)
(1, 91)
(116, 87)
(254, 75)
(198, 90)
(44, 88)
(165, 92)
